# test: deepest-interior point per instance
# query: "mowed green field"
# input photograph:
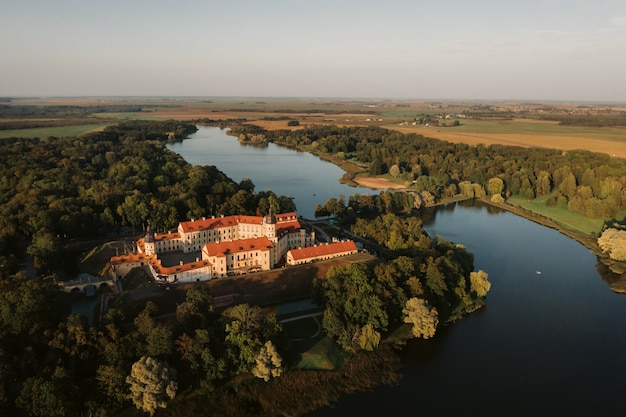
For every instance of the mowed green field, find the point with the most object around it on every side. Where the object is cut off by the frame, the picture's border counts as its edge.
(45, 132)
(561, 215)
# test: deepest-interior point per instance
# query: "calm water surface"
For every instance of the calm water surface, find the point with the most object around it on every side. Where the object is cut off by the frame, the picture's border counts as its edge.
(285, 171)
(545, 345)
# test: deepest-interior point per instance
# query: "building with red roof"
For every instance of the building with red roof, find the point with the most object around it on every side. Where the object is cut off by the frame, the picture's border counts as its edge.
(321, 252)
(239, 256)
(228, 244)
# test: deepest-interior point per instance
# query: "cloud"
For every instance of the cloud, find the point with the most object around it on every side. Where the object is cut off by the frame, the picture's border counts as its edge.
(619, 21)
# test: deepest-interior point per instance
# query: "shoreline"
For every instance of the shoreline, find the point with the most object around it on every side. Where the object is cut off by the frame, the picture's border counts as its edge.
(615, 280)
(351, 177)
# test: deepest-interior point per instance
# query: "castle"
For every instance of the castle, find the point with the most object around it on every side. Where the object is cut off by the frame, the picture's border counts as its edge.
(224, 246)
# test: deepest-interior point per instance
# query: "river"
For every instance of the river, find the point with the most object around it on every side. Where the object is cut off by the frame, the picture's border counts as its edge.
(549, 344)
(305, 177)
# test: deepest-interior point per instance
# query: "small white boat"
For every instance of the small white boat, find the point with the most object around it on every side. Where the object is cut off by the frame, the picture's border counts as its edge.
(538, 272)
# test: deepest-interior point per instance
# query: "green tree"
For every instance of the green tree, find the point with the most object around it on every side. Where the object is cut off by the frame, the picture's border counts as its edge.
(369, 338)
(376, 167)
(112, 382)
(198, 353)
(351, 302)
(196, 310)
(45, 250)
(543, 185)
(44, 396)
(159, 342)
(22, 306)
(568, 186)
(247, 329)
(152, 384)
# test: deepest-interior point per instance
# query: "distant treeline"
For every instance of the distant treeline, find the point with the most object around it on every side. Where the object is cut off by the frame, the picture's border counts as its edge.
(605, 120)
(33, 124)
(23, 111)
(581, 116)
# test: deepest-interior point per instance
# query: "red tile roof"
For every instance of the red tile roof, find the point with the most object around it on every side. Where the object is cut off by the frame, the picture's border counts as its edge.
(156, 265)
(208, 224)
(167, 236)
(218, 222)
(287, 227)
(176, 269)
(286, 217)
(242, 245)
(323, 250)
(133, 257)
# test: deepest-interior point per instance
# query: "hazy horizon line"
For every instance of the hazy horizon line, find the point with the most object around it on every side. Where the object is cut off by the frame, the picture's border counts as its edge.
(339, 98)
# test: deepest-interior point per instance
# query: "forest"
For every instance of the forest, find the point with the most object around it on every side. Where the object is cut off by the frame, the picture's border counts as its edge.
(198, 361)
(55, 189)
(592, 184)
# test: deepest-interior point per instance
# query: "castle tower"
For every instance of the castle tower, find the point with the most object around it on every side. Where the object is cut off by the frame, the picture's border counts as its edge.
(149, 243)
(269, 226)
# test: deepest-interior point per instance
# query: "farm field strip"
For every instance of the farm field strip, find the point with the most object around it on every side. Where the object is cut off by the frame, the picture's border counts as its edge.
(45, 132)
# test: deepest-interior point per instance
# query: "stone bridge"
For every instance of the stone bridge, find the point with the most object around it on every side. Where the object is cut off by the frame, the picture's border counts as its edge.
(88, 284)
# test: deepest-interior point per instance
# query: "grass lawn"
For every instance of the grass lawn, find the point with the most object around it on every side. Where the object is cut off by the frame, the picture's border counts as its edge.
(324, 355)
(561, 215)
(44, 132)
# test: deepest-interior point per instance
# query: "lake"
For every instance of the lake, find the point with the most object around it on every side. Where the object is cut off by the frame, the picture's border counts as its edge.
(305, 177)
(552, 344)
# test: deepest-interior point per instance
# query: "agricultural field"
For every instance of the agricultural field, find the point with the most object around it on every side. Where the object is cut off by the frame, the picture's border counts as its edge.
(527, 133)
(528, 128)
(58, 131)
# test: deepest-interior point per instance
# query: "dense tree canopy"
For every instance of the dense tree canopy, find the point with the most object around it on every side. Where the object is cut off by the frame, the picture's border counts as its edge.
(431, 282)
(54, 189)
(592, 184)
(61, 188)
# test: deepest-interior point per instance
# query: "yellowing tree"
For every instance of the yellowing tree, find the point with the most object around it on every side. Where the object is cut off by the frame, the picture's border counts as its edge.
(152, 384)
(423, 317)
(369, 338)
(269, 363)
(479, 283)
(613, 241)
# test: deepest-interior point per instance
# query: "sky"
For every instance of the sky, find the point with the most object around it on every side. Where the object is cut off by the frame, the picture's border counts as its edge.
(564, 50)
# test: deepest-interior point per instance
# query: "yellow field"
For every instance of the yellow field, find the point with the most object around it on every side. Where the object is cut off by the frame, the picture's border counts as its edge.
(528, 133)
